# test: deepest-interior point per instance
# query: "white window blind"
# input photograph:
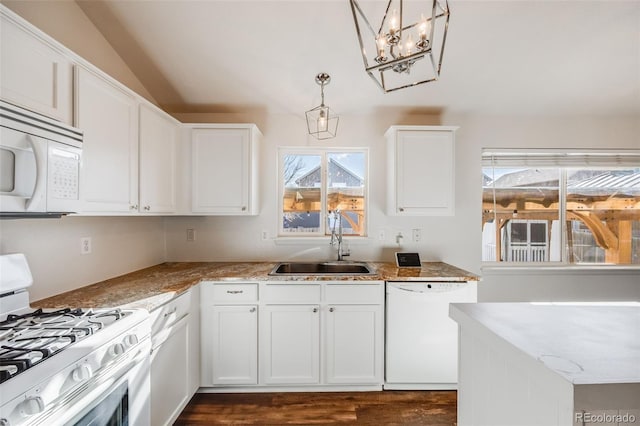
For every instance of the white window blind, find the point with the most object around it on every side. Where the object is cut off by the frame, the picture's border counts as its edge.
(560, 158)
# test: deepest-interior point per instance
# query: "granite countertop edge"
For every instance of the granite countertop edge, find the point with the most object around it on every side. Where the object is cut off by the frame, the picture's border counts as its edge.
(152, 287)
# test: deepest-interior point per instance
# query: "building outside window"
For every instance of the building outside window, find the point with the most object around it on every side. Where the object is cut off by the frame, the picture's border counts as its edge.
(315, 183)
(561, 206)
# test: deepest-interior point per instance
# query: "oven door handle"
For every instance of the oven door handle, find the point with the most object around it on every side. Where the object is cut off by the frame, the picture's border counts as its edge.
(64, 411)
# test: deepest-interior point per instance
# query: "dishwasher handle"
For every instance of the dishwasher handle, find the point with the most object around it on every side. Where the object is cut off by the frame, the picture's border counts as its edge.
(427, 286)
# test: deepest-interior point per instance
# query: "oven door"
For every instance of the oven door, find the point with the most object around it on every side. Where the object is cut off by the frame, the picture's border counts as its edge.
(119, 395)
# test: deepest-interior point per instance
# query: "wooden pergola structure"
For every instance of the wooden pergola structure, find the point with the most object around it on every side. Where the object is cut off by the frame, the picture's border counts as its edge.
(304, 200)
(609, 218)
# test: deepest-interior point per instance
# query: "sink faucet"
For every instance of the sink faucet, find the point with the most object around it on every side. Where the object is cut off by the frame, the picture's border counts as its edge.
(336, 237)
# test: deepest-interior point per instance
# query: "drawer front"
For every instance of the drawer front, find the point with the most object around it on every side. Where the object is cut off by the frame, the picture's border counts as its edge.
(354, 293)
(230, 293)
(291, 293)
(170, 313)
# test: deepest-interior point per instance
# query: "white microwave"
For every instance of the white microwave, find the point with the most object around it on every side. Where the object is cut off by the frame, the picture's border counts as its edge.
(40, 162)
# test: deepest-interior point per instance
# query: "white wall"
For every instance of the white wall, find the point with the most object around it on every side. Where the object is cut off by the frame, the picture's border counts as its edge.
(456, 240)
(52, 247)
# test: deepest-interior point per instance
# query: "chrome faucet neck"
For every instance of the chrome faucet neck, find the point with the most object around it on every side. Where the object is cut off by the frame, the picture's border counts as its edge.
(336, 238)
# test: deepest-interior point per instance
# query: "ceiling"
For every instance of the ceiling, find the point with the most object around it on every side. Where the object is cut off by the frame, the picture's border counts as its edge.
(509, 57)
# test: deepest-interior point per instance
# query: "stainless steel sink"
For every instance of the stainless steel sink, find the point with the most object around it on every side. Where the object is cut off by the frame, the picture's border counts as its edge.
(322, 268)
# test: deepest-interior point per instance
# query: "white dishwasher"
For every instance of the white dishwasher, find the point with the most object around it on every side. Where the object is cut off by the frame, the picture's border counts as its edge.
(421, 345)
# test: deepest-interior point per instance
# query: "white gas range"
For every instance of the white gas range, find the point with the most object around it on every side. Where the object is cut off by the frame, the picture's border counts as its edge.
(69, 366)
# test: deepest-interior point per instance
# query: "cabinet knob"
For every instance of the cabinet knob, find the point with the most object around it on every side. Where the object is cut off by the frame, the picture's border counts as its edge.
(252, 310)
(147, 208)
(331, 309)
(315, 309)
(401, 209)
(244, 208)
(133, 207)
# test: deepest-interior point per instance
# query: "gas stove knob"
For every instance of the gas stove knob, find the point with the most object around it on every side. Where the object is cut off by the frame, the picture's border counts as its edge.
(130, 340)
(81, 373)
(32, 405)
(116, 350)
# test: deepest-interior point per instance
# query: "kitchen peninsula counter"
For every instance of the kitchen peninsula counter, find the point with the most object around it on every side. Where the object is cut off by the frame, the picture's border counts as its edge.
(551, 364)
(151, 287)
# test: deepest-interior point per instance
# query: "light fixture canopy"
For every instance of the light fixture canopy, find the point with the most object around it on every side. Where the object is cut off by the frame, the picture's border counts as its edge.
(322, 123)
(407, 46)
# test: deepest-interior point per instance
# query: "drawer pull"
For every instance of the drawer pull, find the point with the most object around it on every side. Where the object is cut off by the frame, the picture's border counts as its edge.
(252, 310)
(235, 291)
(315, 309)
(171, 312)
(332, 309)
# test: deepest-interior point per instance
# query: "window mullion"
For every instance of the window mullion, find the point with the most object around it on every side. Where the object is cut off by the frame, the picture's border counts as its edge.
(323, 192)
(562, 215)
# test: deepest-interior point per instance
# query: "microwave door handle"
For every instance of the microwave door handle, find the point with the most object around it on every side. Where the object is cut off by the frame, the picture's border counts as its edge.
(40, 152)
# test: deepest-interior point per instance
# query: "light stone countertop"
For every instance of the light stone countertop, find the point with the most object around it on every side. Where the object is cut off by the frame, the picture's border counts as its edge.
(151, 287)
(584, 343)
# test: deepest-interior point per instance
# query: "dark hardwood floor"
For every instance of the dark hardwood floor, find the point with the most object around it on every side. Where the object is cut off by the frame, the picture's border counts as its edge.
(324, 408)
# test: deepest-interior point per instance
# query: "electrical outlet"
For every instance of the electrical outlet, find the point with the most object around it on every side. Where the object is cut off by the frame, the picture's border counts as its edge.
(85, 245)
(417, 235)
(265, 235)
(191, 234)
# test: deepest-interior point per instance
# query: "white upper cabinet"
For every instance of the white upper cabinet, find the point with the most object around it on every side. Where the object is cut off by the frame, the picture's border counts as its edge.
(421, 173)
(158, 139)
(108, 117)
(33, 74)
(224, 162)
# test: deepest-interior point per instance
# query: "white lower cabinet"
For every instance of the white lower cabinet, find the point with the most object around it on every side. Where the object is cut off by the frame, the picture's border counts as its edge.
(233, 343)
(294, 336)
(174, 358)
(290, 350)
(228, 334)
(354, 344)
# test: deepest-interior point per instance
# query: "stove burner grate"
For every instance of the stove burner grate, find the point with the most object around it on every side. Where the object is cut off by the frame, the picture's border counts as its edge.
(27, 340)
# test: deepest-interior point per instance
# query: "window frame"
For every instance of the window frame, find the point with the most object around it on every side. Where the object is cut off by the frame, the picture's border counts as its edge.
(323, 152)
(565, 160)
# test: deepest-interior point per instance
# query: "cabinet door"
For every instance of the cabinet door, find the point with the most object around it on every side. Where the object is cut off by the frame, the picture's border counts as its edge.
(170, 389)
(423, 173)
(354, 347)
(109, 118)
(33, 74)
(158, 138)
(290, 346)
(222, 175)
(230, 355)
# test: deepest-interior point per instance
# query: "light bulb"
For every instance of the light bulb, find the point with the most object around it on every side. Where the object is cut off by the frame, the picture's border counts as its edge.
(322, 121)
(381, 42)
(393, 24)
(423, 28)
(408, 45)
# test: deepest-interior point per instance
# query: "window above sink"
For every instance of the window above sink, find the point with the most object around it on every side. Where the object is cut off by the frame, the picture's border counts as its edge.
(314, 182)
